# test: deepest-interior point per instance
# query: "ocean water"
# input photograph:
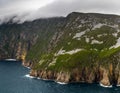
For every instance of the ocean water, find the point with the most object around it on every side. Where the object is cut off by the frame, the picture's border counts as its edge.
(14, 78)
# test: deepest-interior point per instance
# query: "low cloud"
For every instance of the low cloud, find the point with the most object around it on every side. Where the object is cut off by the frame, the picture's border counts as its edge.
(25, 11)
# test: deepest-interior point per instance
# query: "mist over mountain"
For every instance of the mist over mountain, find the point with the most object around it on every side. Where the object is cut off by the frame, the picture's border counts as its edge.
(29, 10)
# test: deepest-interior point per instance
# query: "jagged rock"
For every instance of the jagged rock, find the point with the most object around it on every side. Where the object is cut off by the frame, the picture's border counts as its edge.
(63, 77)
(118, 79)
(34, 73)
(105, 80)
(91, 77)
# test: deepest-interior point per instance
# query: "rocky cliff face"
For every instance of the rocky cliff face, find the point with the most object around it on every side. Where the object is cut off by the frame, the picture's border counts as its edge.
(17, 39)
(97, 74)
(77, 48)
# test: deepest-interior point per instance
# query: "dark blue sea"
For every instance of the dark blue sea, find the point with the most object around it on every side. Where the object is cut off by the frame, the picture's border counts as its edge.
(14, 79)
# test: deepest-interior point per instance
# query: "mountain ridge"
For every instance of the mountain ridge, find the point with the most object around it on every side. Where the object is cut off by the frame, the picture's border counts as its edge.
(12, 19)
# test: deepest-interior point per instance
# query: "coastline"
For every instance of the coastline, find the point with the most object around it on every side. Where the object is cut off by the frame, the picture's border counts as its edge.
(32, 77)
(62, 83)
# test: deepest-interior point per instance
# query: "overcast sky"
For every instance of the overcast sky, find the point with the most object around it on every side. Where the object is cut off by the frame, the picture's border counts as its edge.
(33, 9)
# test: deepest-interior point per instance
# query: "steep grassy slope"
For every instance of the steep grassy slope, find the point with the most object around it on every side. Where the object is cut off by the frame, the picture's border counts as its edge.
(88, 48)
(85, 37)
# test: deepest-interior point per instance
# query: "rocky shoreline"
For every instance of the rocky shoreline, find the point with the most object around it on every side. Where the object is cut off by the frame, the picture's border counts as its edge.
(101, 76)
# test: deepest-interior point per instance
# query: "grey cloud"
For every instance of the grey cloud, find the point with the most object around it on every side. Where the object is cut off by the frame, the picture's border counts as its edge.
(63, 8)
(57, 8)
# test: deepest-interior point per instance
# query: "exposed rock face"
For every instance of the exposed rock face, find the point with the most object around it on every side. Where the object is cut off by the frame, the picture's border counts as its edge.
(27, 64)
(100, 75)
(63, 77)
(16, 40)
(34, 73)
(105, 80)
(118, 81)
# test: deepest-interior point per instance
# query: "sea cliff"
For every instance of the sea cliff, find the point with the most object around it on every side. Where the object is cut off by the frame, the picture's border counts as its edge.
(81, 47)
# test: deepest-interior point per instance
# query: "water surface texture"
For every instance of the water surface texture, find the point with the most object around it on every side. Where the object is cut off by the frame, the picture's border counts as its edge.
(14, 79)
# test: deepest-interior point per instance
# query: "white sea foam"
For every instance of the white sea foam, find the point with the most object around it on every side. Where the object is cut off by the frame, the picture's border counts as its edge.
(46, 79)
(118, 85)
(105, 86)
(31, 77)
(28, 67)
(38, 78)
(10, 59)
(61, 83)
(28, 76)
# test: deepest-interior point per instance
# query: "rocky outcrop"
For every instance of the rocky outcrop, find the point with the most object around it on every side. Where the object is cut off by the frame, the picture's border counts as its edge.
(105, 80)
(28, 64)
(63, 77)
(118, 81)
